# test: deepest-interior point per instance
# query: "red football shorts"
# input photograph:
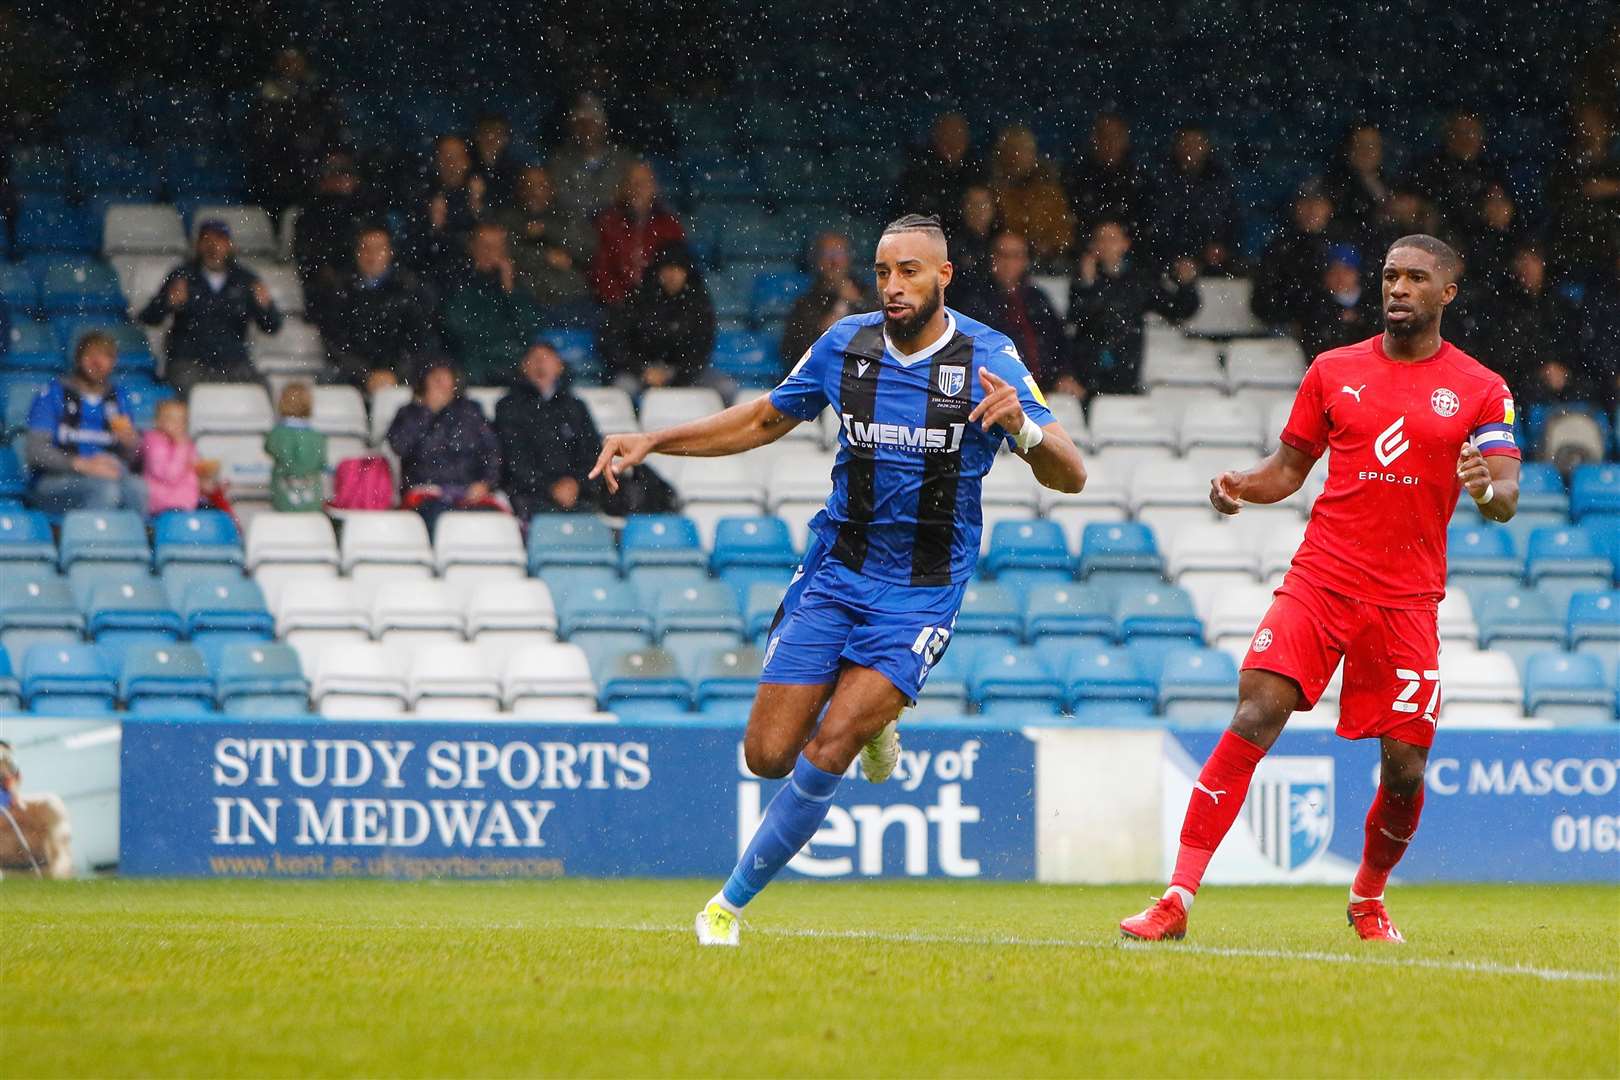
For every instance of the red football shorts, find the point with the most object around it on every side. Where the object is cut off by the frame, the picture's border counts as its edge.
(1391, 659)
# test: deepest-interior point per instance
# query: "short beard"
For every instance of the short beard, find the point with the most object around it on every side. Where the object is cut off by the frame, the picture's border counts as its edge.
(907, 327)
(1411, 328)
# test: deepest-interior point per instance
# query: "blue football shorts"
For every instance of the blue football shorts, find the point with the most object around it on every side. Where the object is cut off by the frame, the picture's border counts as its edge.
(832, 614)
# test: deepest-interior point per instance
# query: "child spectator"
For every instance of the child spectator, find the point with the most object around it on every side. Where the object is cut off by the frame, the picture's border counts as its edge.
(297, 453)
(175, 476)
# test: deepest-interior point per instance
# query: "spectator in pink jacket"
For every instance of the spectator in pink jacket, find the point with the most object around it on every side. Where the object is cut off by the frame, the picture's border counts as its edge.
(174, 474)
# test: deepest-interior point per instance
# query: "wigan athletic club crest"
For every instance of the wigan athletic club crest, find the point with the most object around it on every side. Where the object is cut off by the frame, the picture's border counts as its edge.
(1290, 809)
(1444, 402)
(951, 379)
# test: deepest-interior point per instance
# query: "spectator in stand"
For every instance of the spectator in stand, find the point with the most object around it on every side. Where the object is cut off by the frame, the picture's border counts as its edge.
(488, 320)
(548, 440)
(664, 334)
(297, 453)
(212, 299)
(375, 317)
(1105, 182)
(1407, 214)
(1489, 249)
(493, 159)
(629, 233)
(1029, 196)
(1357, 184)
(290, 125)
(1007, 300)
(550, 249)
(970, 244)
(1339, 309)
(81, 447)
(1530, 334)
(939, 174)
(324, 235)
(1109, 295)
(176, 479)
(1583, 194)
(1290, 271)
(1456, 177)
(449, 457)
(1600, 335)
(448, 211)
(588, 169)
(1195, 207)
(1597, 79)
(833, 294)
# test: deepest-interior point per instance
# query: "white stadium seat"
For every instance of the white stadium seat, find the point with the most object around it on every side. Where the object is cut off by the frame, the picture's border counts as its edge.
(550, 681)
(357, 679)
(1105, 498)
(1223, 309)
(1209, 547)
(1067, 412)
(230, 409)
(1166, 496)
(1009, 493)
(143, 229)
(413, 611)
(320, 611)
(339, 410)
(384, 404)
(1130, 420)
(1181, 362)
(664, 406)
(286, 232)
(610, 407)
(306, 539)
(244, 466)
(282, 282)
(715, 488)
(1269, 363)
(1457, 619)
(487, 397)
(1215, 421)
(387, 544)
(472, 546)
(251, 231)
(798, 488)
(140, 276)
(499, 608)
(1279, 537)
(452, 680)
(295, 349)
(1235, 614)
(1479, 687)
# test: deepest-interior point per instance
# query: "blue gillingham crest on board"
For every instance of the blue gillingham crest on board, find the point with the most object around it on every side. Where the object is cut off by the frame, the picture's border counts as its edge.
(1290, 809)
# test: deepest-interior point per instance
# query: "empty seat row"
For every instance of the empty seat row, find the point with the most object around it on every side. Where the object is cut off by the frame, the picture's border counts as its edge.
(119, 536)
(238, 678)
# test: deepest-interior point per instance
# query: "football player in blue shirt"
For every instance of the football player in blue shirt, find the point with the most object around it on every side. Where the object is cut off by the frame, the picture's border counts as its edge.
(925, 398)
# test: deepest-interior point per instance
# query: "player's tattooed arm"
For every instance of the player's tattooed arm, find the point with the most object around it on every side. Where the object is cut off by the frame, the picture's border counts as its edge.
(1492, 482)
(1273, 480)
(742, 427)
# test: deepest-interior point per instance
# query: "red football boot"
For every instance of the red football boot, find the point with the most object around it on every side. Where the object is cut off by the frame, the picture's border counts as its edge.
(1371, 920)
(1166, 920)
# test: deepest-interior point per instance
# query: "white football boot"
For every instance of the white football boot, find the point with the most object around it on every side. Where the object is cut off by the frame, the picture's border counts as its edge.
(717, 926)
(879, 757)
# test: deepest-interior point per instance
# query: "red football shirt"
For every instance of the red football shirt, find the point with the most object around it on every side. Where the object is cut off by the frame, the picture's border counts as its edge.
(1395, 429)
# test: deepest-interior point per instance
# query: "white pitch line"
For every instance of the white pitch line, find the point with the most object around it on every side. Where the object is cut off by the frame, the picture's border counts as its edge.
(1465, 967)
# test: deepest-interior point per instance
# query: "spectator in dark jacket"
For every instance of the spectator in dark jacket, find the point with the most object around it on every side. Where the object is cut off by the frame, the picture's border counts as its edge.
(548, 440)
(1195, 206)
(490, 321)
(327, 225)
(1338, 309)
(374, 316)
(1105, 182)
(629, 233)
(970, 243)
(289, 125)
(1529, 333)
(1488, 250)
(447, 212)
(493, 159)
(1600, 335)
(664, 335)
(940, 173)
(832, 294)
(1456, 177)
(1290, 271)
(449, 457)
(1007, 300)
(550, 248)
(1583, 194)
(1108, 297)
(212, 299)
(1357, 184)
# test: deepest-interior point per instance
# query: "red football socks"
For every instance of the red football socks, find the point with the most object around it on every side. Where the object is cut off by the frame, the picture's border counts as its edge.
(1214, 806)
(1392, 821)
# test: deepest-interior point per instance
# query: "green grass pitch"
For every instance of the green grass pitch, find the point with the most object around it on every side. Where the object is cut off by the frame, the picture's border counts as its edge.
(214, 978)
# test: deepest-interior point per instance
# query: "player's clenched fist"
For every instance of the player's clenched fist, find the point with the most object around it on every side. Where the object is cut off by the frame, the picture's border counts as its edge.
(1472, 470)
(1223, 493)
(999, 407)
(619, 452)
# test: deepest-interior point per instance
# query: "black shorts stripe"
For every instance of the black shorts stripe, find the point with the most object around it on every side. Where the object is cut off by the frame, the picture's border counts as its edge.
(936, 499)
(857, 400)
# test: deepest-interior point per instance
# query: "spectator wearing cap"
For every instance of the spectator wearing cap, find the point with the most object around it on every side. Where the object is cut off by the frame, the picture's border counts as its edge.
(588, 169)
(833, 294)
(630, 233)
(374, 317)
(81, 447)
(211, 300)
(1110, 294)
(548, 440)
(1339, 309)
(488, 319)
(663, 335)
(1291, 269)
(550, 248)
(1007, 300)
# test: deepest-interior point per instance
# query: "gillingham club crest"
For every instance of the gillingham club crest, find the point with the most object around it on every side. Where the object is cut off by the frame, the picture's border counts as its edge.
(1290, 809)
(950, 379)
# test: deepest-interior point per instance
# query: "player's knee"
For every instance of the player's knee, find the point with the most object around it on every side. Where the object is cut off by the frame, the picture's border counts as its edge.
(767, 761)
(1255, 719)
(1402, 776)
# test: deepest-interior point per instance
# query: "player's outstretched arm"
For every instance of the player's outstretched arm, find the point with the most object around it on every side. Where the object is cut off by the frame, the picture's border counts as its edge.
(1273, 480)
(1055, 459)
(731, 431)
(1492, 482)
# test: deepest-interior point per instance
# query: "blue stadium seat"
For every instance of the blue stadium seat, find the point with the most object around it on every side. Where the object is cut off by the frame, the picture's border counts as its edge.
(729, 289)
(1594, 489)
(612, 606)
(774, 294)
(73, 288)
(642, 677)
(25, 540)
(68, 679)
(1509, 615)
(55, 228)
(1156, 611)
(131, 610)
(563, 580)
(650, 582)
(990, 611)
(759, 611)
(1119, 546)
(1149, 653)
(37, 170)
(1567, 688)
(1541, 489)
(1099, 681)
(706, 606)
(228, 606)
(742, 579)
(10, 689)
(578, 350)
(1198, 685)
(727, 675)
(660, 540)
(260, 679)
(104, 536)
(19, 290)
(1604, 529)
(165, 678)
(1482, 552)
(37, 606)
(1027, 545)
(206, 536)
(602, 647)
(746, 356)
(1069, 609)
(945, 688)
(567, 540)
(1012, 674)
(33, 347)
(1567, 554)
(20, 390)
(1594, 617)
(750, 542)
(141, 398)
(13, 480)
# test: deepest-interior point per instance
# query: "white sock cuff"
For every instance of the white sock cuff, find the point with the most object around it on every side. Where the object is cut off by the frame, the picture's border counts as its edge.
(1354, 899)
(1186, 897)
(720, 898)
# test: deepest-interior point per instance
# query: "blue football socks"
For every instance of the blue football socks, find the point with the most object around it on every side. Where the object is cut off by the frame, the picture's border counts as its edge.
(790, 821)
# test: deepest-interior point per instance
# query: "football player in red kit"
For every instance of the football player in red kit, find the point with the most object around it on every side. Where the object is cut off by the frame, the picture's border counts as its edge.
(1410, 418)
